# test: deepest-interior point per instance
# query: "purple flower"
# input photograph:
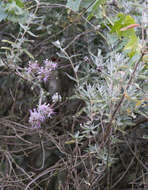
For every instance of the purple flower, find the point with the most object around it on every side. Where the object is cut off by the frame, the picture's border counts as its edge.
(33, 67)
(50, 65)
(86, 59)
(44, 74)
(45, 110)
(36, 119)
(39, 115)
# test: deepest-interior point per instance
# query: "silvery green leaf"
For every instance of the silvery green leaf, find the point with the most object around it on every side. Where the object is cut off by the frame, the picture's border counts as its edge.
(76, 68)
(3, 14)
(72, 78)
(57, 44)
(1, 63)
(73, 4)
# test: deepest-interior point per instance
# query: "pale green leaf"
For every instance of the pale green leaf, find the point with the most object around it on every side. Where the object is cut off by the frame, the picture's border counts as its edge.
(73, 5)
(7, 41)
(95, 8)
(28, 53)
(3, 14)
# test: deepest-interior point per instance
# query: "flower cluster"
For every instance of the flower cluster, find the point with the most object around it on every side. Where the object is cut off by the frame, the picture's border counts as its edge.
(39, 115)
(33, 67)
(43, 73)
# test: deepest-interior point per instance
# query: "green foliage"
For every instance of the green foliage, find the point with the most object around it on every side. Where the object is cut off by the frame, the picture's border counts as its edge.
(101, 91)
(123, 21)
(132, 45)
(14, 11)
(73, 4)
(3, 14)
(92, 7)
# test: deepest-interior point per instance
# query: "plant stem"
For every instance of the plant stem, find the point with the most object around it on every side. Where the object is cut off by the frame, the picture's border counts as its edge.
(108, 127)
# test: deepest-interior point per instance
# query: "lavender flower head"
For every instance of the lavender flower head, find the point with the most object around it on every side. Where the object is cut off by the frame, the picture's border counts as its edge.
(51, 66)
(36, 119)
(33, 67)
(44, 74)
(45, 110)
(39, 115)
